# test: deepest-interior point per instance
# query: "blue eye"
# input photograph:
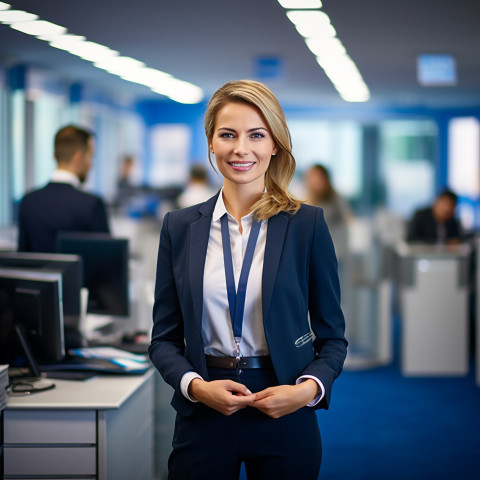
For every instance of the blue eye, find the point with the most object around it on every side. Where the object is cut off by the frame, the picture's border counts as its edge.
(226, 135)
(258, 135)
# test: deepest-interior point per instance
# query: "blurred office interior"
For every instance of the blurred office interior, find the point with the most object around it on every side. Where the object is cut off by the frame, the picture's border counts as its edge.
(408, 129)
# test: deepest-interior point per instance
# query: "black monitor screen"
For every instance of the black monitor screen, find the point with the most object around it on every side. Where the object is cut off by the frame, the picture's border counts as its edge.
(33, 301)
(71, 268)
(105, 270)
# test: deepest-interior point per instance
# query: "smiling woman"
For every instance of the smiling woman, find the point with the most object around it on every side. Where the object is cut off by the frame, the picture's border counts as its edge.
(264, 116)
(252, 338)
(243, 146)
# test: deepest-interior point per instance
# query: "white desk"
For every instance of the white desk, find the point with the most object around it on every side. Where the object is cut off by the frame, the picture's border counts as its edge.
(477, 310)
(433, 289)
(101, 428)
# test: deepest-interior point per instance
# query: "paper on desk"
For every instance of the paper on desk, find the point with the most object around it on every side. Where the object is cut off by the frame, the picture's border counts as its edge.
(3, 376)
(127, 363)
(3, 385)
(108, 353)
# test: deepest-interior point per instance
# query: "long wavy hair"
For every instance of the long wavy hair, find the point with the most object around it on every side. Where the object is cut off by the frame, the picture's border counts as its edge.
(280, 171)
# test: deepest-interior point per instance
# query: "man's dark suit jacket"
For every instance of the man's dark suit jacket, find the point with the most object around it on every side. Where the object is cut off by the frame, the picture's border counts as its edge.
(299, 278)
(54, 208)
(424, 228)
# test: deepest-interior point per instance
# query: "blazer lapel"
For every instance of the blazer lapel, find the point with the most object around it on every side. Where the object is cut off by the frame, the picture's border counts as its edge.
(199, 235)
(277, 228)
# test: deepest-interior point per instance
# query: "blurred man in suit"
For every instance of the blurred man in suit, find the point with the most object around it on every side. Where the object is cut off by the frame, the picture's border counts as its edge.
(61, 205)
(436, 224)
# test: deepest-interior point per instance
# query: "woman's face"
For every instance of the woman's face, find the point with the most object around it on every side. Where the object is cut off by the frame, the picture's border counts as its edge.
(315, 181)
(242, 144)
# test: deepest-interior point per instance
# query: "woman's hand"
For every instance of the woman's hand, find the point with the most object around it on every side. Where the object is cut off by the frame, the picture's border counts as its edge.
(284, 399)
(225, 396)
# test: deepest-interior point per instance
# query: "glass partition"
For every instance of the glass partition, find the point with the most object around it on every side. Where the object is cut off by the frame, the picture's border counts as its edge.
(407, 164)
(335, 144)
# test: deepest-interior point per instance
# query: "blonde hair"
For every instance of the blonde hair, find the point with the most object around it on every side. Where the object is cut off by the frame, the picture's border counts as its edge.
(282, 165)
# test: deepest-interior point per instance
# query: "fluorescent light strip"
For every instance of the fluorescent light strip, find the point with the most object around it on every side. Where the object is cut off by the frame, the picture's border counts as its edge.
(101, 56)
(119, 65)
(147, 76)
(183, 92)
(91, 51)
(308, 18)
(12, 16)
(39, 28)
(300, 3)
(325, 47)
(65, 42)
(316, 31)
(320, 37)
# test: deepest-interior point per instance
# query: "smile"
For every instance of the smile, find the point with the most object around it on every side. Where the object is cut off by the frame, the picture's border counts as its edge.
(241, 165)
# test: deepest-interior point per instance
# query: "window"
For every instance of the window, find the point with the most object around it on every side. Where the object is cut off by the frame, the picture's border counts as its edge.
(336, 145)
(407, 162)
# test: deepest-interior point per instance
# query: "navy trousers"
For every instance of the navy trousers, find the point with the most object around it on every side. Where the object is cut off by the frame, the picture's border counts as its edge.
(209, 446)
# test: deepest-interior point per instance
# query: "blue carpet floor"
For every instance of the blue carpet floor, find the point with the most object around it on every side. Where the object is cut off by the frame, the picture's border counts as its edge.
(383, 426)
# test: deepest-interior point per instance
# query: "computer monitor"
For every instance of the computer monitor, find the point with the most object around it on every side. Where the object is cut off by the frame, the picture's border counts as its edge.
(71, 268)
(31, 304)
(105, 270)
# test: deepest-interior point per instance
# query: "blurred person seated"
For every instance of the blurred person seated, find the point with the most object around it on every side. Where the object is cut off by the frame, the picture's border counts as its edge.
(61, 205)
(126, 189)
(436, 224)
(126, 169)
(321, 193)
(198, 189)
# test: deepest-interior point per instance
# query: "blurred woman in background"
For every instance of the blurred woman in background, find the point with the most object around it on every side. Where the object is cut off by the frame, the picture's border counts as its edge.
(337, 211)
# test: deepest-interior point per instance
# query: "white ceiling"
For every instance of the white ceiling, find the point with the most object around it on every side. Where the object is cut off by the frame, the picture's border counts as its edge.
(212, 41)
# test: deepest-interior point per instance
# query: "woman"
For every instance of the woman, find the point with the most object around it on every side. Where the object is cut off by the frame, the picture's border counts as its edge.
(242, 385)
(320, 192)
(337, 211)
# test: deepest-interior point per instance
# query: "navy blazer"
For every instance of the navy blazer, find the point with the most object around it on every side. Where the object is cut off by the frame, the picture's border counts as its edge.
(54, 208)
(299, 281)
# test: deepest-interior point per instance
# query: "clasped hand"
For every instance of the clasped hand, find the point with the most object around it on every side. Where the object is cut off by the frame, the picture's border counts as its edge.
(227, 396)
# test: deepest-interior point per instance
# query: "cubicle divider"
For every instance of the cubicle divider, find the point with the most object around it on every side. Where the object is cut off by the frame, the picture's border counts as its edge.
(433, 289)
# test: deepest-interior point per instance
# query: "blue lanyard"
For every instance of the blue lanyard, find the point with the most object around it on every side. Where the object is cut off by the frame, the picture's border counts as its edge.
(236, 300)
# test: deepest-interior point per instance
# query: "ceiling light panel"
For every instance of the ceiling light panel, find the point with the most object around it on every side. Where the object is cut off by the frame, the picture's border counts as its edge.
(147, 76)
(325, 47)
(323, 30)
(180, 91)
(300, 3)
(119, 65)
(91, 51)
(65, 42)
(101, 56)
(39, 28)
(13, 16)
(308, 18)
(321, 39)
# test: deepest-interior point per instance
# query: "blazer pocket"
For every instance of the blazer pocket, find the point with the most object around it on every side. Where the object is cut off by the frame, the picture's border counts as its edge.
(304, 339)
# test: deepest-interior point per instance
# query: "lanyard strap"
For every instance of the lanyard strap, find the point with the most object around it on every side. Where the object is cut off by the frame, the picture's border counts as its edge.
(236, 300)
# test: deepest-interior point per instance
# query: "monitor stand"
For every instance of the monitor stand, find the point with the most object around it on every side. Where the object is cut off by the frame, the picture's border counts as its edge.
(38, 379)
